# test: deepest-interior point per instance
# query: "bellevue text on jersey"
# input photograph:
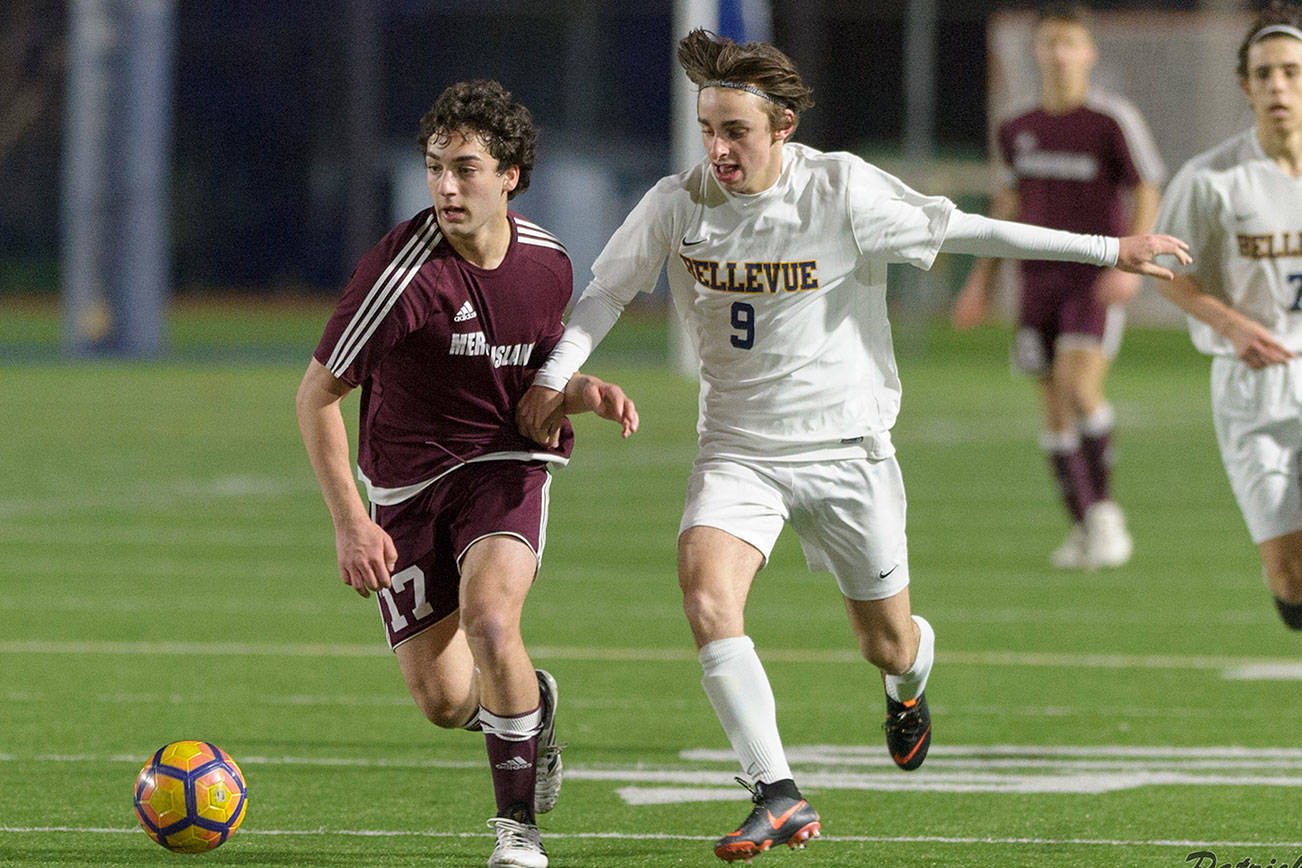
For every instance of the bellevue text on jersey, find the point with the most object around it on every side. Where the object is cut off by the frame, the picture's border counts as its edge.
(1270, 246)
(754, 276)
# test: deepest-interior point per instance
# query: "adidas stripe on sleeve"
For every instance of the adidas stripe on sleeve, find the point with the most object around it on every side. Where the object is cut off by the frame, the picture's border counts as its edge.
(365, 309)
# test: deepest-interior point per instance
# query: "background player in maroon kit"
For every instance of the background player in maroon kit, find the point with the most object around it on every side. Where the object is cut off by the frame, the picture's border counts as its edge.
(1082, 160)
(443, 325)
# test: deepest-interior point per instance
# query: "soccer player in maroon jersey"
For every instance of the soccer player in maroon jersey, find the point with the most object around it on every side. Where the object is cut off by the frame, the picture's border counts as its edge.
(1081, 160)
(442, 325)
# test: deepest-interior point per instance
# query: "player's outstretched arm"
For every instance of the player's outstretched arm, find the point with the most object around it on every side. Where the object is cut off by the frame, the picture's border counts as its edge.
(586, 393)
(1253, 343)
(539, 415)
(1137, 252)
(366, 553)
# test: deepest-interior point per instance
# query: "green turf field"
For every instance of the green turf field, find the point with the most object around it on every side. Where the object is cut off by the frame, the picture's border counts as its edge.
(167, 571)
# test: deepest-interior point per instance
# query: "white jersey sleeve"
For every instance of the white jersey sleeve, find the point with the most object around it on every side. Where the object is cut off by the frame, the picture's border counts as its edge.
(1188, 212)
(891, 221)
(629, 263)
(1007, 239)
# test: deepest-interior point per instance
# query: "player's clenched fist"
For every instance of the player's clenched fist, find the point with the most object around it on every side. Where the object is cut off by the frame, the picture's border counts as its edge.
(367, 556)
(539, 415)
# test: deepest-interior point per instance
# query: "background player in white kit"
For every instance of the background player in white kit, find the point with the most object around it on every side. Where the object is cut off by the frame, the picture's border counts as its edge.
(1240, 206)
(777, 258)
(1083, 160)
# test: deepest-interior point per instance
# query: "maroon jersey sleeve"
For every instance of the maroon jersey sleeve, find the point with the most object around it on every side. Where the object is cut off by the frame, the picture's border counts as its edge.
(370, 318)
(1124, 169)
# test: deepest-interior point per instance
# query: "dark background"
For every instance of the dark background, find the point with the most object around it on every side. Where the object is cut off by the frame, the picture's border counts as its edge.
(279, 107)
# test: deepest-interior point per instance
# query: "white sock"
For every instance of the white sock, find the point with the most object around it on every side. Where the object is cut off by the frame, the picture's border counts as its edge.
(517, 727)
(735, 682)
(907, 686)
(1099, 422)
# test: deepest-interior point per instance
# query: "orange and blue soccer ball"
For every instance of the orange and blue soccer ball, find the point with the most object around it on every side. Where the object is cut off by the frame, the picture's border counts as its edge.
(190, 796)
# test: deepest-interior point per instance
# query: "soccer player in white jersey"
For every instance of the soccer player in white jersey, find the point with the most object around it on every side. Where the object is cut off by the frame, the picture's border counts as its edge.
(777, 262)
(1240, 206)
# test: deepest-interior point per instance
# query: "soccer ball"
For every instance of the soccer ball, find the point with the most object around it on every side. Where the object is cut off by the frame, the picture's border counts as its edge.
(190, 796)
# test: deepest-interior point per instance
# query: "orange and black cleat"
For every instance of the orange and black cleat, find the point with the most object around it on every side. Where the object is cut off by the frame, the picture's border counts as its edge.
(908, 731)
(777, 818)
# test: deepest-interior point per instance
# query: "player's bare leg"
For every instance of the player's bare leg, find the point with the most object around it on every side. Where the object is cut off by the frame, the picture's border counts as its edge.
(440, 674)
(1079, 372)
(902, 646)
(1281, 560)
(1061, 444)
(715, 572)
(496, 574)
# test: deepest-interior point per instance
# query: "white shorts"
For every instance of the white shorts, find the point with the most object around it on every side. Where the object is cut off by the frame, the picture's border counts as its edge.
(848, 514)
(1258, 419)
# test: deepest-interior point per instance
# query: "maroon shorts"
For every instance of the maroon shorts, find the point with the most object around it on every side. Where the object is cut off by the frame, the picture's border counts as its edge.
(1048, 318)
(432, 531)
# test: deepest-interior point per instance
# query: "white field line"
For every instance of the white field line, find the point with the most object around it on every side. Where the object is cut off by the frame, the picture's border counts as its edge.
(345, 607)
(935, 782)
(957, 769)
(64, 535)
(329, 762)
(643, 655)
(951, 755)
(643, 836)
(1265, 671)
(604, 703)
(148, 563)
(173, 493)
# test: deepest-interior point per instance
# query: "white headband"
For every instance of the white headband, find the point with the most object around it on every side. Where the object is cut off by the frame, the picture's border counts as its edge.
(750, 88)
(1275, 30)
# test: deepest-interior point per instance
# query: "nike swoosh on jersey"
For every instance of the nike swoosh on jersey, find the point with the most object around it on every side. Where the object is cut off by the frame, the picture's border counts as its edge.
(886, 573)
(687, 243)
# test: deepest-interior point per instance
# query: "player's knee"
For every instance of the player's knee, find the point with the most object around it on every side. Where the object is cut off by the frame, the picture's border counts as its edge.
(443, 712)
(439, 707)
(489, 631)
(892, 655)
(708, 613)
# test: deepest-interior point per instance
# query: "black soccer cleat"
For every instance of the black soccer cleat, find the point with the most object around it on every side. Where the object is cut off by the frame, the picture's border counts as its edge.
(775, 819)
(908, 731)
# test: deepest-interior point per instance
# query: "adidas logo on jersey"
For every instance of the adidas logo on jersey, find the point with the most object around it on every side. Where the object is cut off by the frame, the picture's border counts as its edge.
(467, 312)
(514, 764)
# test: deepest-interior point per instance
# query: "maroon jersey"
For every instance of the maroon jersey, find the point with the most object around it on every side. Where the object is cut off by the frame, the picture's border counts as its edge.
(1070, 172)
(443, 351)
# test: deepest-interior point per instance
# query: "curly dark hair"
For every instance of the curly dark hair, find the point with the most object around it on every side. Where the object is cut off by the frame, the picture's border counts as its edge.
(485, 108)
(1278, 12)
(706, 56)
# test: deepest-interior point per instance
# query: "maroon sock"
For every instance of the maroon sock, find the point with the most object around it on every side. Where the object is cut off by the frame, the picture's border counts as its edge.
(511, 760)
(1098, 458)
(1072, 473)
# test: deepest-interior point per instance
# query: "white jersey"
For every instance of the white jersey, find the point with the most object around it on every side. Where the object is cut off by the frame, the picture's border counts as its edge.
(783, 294)
(1242, 217)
